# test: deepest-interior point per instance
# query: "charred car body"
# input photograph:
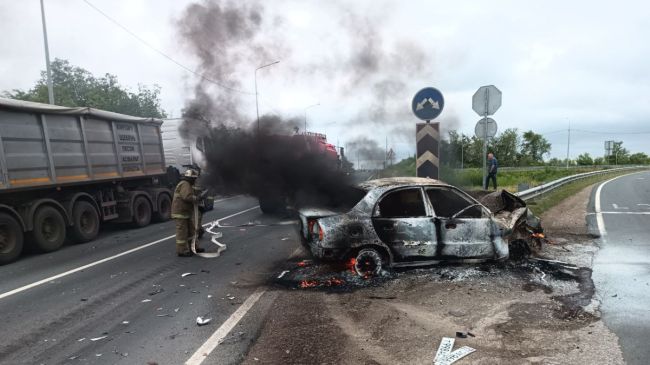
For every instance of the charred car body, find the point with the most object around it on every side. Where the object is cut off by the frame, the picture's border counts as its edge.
(416, 221)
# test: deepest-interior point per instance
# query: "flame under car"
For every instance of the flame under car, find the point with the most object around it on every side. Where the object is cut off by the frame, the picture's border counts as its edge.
(416, 221)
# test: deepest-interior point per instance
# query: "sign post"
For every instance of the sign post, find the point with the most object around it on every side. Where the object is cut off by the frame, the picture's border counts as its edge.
(486, 101)
(427, 105)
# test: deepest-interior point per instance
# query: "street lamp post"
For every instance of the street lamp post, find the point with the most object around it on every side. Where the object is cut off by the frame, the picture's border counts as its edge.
(50, 89)
(306, 114)
(257, 108)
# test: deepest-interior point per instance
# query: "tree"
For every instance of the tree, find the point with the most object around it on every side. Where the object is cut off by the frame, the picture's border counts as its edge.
(620, 155)
(599, 161)
(639, 158)
(505, 147)
(75, 86)
(533, 148)
(585, 160)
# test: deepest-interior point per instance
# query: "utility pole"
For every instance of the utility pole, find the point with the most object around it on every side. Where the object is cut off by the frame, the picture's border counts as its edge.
(568, 145)
(257, 108)
(462, 147)
(50, 89)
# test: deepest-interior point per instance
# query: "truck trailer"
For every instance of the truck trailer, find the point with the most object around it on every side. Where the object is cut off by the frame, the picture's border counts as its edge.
(65, 171)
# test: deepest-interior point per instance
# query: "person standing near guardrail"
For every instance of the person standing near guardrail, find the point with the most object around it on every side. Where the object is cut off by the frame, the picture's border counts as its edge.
(492, 166)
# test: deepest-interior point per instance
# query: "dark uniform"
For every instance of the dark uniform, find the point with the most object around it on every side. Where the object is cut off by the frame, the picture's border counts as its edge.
(183, 214)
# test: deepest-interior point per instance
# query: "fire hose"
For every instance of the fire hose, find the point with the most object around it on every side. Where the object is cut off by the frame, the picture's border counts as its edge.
(210, 229)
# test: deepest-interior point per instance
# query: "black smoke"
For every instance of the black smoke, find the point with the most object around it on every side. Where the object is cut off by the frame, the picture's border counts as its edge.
(228, 37)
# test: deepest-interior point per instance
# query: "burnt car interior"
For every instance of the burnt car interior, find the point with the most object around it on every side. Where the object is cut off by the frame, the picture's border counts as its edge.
(402, 204)
(448, 203)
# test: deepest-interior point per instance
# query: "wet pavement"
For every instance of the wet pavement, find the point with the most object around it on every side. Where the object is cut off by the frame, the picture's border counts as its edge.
(622, 266)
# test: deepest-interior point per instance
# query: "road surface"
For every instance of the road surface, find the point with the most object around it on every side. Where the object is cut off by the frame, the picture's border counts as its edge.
(622, 266)
(135, 307)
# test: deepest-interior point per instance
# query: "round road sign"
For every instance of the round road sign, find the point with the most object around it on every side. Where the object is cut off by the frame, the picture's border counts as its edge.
(479, 130)
(427, 103)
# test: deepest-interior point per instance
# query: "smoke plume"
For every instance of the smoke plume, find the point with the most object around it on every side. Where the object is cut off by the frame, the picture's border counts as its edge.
(242, 156)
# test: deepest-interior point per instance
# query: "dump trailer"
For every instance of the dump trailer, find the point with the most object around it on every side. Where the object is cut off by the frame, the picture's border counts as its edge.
(65, 171)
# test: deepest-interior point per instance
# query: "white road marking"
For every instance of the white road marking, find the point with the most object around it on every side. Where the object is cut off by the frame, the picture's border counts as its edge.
(202, 353)
(644, 205)
(617, 207)
(599, 214)
(625, 213)
(87, 266)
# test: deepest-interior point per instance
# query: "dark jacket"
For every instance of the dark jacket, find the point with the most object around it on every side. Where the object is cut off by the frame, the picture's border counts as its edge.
(493, 166)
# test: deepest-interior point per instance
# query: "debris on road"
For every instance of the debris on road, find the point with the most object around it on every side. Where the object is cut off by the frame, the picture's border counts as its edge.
(125, 322)
(202, 321)
(81, 339)
(145, 301)
(187, 274)
(98, 338)
(282, 274)
(444, 355)
(157, 291)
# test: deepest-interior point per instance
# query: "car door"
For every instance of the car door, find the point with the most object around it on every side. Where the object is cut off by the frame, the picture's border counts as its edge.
(405, 224)
(463, 227)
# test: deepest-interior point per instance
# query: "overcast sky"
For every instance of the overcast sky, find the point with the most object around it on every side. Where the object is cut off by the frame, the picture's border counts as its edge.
(557, 62)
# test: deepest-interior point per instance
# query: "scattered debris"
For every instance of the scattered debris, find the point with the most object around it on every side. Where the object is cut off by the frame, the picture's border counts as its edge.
(157, 291)
(461, 334)
(177, 309)
(98, 338)
(202, 321)
(163, 315)
(230, 297)
(282, 274)
(98, 355)
(187, 274)
(146, 301)
(81, 339)
(614, 296)
(285, 238)
(209, 296)
(84, 299)
(205, 271)
(444, 355)
(73, 357)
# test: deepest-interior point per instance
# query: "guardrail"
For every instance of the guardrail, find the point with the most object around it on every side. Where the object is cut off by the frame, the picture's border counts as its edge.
(545, 188)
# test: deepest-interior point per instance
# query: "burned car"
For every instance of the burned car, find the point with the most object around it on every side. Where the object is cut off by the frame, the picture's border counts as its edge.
(416, 221)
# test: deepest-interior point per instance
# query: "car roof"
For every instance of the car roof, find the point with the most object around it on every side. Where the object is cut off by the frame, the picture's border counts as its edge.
(399, 181)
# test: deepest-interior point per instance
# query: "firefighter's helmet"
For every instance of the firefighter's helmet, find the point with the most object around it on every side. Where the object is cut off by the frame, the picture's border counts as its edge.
(191, 173)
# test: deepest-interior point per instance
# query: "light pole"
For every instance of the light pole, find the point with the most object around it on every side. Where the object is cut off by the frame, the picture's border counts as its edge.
(257, 108)
(50, 89)
(317, 104)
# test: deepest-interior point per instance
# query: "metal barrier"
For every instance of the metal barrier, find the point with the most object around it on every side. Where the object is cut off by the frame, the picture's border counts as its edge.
(545, 188)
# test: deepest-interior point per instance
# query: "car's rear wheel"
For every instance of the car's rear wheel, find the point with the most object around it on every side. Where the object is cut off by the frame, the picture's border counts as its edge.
(368, 262)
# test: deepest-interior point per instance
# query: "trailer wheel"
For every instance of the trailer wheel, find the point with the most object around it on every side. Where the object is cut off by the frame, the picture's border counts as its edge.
(164, 212)
(141, 212)
(85, 222)
(11, 239)
(49, 230)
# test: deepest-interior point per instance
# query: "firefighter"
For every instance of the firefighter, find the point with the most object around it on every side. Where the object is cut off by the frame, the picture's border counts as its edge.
(183, 212)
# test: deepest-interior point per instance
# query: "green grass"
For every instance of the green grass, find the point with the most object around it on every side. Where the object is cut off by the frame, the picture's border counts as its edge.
(549, 200)
(472, 178)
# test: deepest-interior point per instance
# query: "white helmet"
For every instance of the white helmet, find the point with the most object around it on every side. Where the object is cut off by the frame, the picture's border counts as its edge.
(191, 173)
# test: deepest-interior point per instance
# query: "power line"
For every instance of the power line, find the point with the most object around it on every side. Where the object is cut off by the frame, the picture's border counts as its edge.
(163, 53)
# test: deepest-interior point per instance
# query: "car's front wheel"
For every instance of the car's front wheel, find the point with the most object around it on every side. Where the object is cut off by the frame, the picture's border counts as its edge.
(368, 262)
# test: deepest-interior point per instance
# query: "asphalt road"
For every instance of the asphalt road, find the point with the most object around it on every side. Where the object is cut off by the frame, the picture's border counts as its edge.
(137, 307)
(622, 266)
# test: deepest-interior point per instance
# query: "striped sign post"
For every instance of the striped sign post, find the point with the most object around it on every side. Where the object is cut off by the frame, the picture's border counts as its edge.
(427, 137)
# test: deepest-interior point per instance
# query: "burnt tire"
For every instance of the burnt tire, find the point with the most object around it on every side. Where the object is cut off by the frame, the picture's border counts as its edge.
(164, 212)
(272, 205)
(368, 262)
(141, 212)
(85, 222)
(11, 239)
(49, 230)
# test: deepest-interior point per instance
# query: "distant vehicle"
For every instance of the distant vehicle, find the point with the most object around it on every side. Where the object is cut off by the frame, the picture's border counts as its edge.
(397, 222)
(271, 198)
(64, 171)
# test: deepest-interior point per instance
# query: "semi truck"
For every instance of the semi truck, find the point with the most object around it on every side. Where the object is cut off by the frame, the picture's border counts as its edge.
(66, 171)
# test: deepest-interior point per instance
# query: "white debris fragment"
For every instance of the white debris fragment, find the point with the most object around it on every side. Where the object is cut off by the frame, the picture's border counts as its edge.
(98, 338)
(81, 339)
(202, 321)
(285, 238)
(125, 322)
(187, 274)
(177, 309)
(209, 296)
(283, 274)
(231, 297)
(444, 355)
(98, 355)
(145, 301)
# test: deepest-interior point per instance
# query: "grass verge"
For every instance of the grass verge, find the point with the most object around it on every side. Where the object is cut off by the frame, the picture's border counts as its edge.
(547, 201)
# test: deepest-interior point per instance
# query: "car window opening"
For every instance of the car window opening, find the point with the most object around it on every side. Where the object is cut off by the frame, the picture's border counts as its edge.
(401, 204)
(446, 203)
